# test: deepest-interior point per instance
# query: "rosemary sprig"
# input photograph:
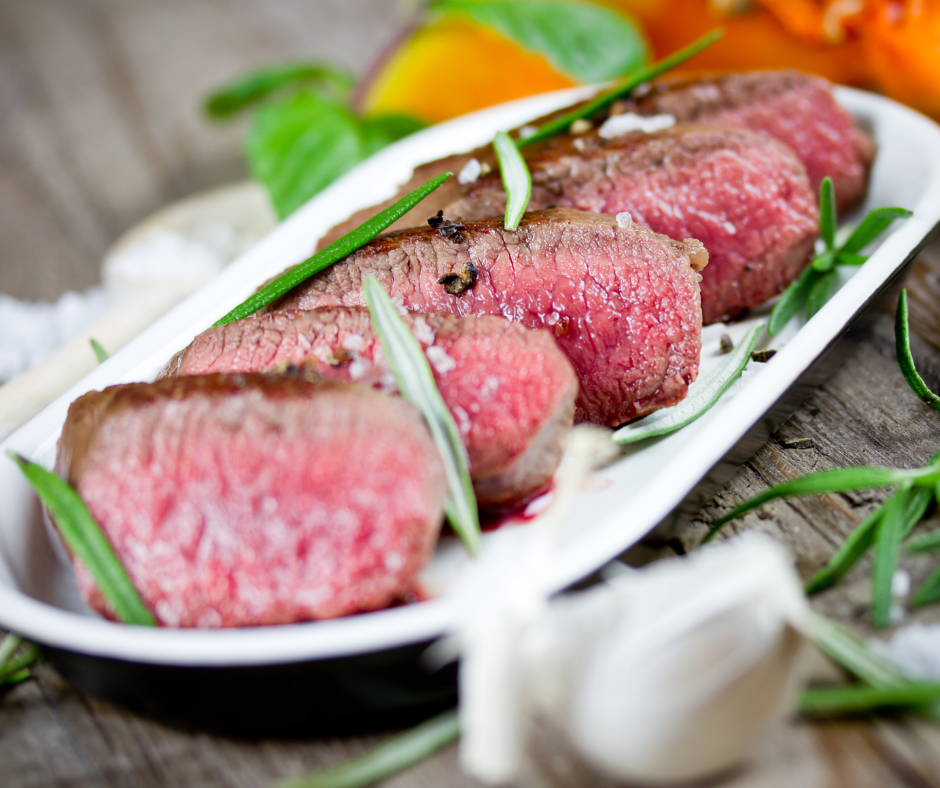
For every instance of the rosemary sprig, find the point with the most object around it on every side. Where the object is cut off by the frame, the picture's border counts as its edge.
(85, 538)
(703, 394)
(390, 757)
(816, 284)
(100, 353)
(337, 250)
(882, 684)
(416, 383)
(925, 543)
(890, 523)
(15, 661)
(631, 82)
(902, 341)
(517, 181)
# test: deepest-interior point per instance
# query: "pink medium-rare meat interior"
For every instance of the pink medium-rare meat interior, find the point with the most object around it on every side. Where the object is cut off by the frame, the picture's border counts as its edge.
(621, 301)
(510, 390)
(242, 500)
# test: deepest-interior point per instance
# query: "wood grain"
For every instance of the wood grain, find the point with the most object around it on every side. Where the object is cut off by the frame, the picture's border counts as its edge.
(100, 125)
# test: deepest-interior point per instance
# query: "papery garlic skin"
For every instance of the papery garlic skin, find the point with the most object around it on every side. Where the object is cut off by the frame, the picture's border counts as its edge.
(675, 672)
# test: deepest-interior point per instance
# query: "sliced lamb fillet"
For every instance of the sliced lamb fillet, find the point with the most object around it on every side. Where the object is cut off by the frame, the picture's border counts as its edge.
(239, 500)
(797, 109)
(622, 302)
(743, 195)
(511, 390)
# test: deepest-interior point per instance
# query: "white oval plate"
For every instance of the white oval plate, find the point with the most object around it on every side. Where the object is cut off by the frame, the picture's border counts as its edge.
(38, 597)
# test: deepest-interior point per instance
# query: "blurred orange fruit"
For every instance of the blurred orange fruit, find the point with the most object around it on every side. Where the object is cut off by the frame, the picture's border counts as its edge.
(754, 37)
(452, 67)
(902, 44)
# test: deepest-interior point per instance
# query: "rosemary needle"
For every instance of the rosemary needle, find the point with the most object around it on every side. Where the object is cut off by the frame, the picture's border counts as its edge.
(416, 383)
(337, 250)
(86, 540)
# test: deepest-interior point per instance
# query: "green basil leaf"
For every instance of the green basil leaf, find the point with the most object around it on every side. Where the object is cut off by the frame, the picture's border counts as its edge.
(378, 131)
(871, 227)
(586, 41)
(703, 394)
(888, 536)
(328, 80)
(820, 293)
(835, 480)
(416, 384)
(517, 181)
(390, 757)
(562, 123)
(827, 213)
(337, 250)
(296, 148)
(855, 699)
(902, 340)
(85, 538)
(792, 299)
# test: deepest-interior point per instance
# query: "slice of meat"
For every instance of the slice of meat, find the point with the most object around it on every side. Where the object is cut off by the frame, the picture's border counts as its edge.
(797, 109)
(743, 195)
(511, 390)
(239, 500)
(622, 302)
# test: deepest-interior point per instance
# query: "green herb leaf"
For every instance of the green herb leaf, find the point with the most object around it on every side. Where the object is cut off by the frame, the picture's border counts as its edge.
(792, 299)
(586, 41)
(825, 261)
(835, 480)
(517, 181)
(100, 353)
(85, 538)
(827, 213)
(390, 757)
(298, 147)
(703, 394)
(562, 123)
(871, 227)
(13, 668)
(846, 649)
(846, 556)
(888, 536)
(329, 80)
(860, 698)
(820, 293)
(416, 383)
(850, 258)
(929, 591)
(902, 339)
(926, 543)
(337, 250)
(854, 547)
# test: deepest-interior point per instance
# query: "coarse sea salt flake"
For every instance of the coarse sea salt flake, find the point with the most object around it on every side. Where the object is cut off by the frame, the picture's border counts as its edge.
(354, 342)
(624, 219)
(616, 125)
(439, 359)
(470, 172)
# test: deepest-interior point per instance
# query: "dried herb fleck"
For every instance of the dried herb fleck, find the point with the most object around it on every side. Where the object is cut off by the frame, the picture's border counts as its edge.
(762, 356)
(448, 229)
(459, 282)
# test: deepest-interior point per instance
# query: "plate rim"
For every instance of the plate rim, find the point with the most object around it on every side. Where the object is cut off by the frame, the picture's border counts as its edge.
(380, 630)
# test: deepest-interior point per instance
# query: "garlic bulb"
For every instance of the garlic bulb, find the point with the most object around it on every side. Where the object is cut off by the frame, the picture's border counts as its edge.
(675, 672)
(670, 673)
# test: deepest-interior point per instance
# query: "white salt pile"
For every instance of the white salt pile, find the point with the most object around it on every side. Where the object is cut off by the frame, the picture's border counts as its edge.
(915, 649)
(31, 330)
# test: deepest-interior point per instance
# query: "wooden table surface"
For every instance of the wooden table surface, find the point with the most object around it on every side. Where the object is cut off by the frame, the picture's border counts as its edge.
(99, 126)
